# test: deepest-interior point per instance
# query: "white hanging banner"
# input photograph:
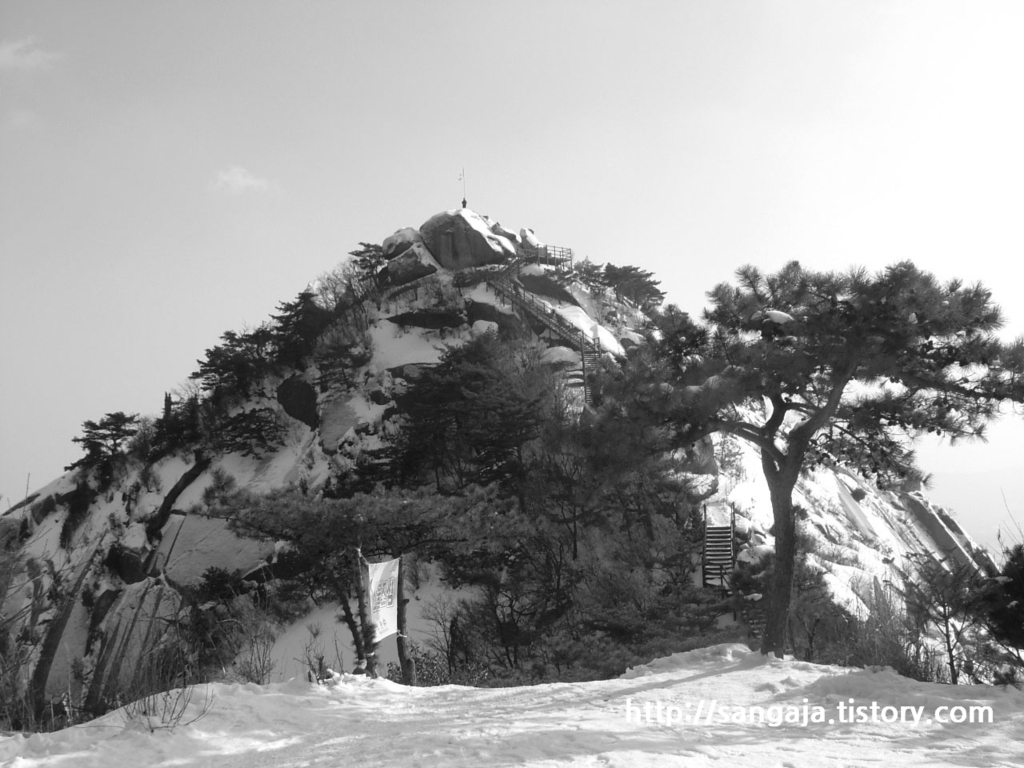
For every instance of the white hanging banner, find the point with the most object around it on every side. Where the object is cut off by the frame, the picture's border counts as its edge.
(384, 598)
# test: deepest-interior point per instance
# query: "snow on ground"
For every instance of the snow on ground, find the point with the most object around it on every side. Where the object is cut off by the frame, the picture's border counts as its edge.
(752, 711)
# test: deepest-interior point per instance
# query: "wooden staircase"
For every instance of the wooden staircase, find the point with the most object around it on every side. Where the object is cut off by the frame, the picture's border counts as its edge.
(719, 556)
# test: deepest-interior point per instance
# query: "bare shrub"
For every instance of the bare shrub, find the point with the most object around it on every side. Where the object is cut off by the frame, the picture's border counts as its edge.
(314, 653)
(257, 663)
(167, 710)
(886, 635)
(163, 694)
(441, 612)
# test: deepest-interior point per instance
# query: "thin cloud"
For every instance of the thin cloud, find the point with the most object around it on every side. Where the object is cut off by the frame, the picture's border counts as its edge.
(21, 118)
(25, 56)
(239, 181)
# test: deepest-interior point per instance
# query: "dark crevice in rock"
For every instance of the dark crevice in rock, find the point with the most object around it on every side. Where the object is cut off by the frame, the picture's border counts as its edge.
(158, 520)
(52, 641)
(298, 399)
(427, 318)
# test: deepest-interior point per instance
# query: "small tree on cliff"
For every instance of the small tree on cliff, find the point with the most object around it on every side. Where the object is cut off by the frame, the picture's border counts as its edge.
(817, 368)
(103, 441)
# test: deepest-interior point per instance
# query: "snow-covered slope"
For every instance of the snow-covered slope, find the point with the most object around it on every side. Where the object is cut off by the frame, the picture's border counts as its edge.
(719, 706)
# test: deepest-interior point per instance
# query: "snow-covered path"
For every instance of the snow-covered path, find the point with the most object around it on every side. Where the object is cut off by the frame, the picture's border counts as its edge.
(362, 722)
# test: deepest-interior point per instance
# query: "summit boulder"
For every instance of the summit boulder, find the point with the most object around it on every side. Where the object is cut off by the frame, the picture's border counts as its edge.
(461, 239)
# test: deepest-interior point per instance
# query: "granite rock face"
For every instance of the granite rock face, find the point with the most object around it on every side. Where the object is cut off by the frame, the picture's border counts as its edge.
(337, 417)
(400, 242)
(463, 239)
(413, 263)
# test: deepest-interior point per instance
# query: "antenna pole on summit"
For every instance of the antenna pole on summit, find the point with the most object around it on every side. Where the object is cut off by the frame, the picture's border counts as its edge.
(462, 178)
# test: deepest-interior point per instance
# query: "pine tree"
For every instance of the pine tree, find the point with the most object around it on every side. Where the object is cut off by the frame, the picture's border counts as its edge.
(471, 416)
(1004, 604)
(635, 284)
(102, 440)
(299, 324)
(369, 259)
(326, 535)
(589, 274)
(232, 369)
(948, 595)
(818, 368)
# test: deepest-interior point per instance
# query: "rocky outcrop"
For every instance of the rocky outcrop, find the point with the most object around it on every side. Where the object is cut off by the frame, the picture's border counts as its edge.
(412, 264)
(409, 371)
(529, 239)
(137, 623)
(337, 417)
(463, 239)
(509, 235)
(400, 242)
(298, 398)
(53, 639)
(192, 542)
(509, 326)
(159, 519)
(127, 564)
(700, 458)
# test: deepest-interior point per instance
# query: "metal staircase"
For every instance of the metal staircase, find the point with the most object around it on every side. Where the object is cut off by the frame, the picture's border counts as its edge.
(505, 285)
(719, 556)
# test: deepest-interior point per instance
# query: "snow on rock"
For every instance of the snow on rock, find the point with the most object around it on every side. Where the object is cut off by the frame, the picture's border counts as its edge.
(561, 356)
(585, 323)
(413, 263)
(481, 327)
(508, 234)
(482, 294)
(630, 338)
(689, 660)
(401, 241)
(337, 417)
(530, 239)
(193, 543)
(394, 347)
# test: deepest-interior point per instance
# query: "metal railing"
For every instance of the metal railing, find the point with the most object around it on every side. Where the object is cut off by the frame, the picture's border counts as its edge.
(518, 297)
(555, 255)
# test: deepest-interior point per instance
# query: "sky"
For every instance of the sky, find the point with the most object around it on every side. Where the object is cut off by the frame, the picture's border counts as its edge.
(170, 171)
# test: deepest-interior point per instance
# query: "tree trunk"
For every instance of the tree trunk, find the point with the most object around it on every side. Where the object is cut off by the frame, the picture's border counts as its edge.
(947, 632)
(781, 588)
(353, 627)
(404, 659)
(369, 645)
